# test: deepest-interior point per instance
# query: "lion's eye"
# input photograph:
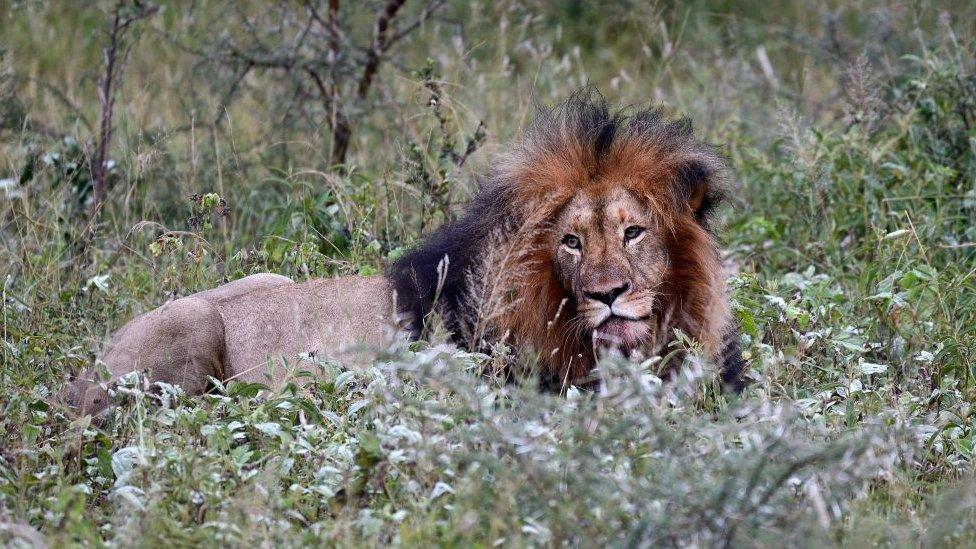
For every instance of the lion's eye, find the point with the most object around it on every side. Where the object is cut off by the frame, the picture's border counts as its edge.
(633, 232)
(571, 241)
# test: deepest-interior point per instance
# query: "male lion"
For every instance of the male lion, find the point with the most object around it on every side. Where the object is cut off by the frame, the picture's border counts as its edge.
(592, 232)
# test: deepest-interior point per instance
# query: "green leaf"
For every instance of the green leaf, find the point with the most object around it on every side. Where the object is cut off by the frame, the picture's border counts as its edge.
(747, 323)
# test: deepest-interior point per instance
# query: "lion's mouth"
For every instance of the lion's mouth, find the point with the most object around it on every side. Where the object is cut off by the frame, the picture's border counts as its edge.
(619, 331)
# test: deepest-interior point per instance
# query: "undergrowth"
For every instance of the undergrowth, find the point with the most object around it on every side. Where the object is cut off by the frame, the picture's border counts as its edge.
(852, 235)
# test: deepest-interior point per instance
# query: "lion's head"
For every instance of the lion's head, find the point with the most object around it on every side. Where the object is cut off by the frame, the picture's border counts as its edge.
(591, 232)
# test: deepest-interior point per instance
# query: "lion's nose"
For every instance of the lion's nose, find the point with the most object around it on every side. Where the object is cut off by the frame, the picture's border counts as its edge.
(609, 296)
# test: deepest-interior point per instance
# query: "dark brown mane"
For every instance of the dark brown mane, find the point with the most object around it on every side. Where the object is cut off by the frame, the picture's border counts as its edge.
(580, 144)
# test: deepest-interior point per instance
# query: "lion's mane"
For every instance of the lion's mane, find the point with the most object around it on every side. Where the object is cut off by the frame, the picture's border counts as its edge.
(499, 251)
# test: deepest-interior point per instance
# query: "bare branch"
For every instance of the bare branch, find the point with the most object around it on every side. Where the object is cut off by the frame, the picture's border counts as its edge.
(380, 44)
(334, 28)
(115, 53)
(425, 13)
(222, 107)
(341, 72)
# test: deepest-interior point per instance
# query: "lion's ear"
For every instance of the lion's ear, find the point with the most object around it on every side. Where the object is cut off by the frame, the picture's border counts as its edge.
(695, 187)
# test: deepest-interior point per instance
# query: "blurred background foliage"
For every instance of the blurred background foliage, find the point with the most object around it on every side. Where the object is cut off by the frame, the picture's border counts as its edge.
(300, 137)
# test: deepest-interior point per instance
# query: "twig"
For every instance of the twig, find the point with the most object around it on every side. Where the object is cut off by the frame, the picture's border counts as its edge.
(342, 74)
(230, 93)
(115, 55)
(426, 13)
(380, 45)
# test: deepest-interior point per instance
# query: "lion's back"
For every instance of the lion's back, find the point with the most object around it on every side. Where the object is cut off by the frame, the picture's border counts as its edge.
(331, 317)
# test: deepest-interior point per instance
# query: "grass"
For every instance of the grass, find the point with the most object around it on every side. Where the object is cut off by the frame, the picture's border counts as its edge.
(853, 231)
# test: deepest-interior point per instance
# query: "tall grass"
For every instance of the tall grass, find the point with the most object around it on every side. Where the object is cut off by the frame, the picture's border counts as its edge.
(850, 127)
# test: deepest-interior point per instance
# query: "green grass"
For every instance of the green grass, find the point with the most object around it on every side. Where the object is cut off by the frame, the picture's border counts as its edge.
(853, 231)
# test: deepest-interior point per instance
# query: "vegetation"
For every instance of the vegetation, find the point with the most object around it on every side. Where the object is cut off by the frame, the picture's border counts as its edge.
(851, 126)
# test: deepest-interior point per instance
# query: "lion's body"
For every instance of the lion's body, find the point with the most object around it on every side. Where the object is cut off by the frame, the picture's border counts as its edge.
(592, 233)
(252, 329)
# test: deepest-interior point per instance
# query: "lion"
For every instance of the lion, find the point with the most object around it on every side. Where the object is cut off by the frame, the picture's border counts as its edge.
(592, 233)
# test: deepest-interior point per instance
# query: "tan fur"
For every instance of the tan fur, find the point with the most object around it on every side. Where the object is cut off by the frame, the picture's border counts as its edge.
(252, 329)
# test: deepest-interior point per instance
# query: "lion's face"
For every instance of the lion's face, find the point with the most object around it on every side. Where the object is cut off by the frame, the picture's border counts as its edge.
(611, 258)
